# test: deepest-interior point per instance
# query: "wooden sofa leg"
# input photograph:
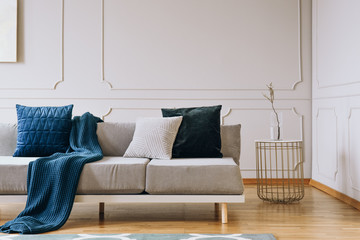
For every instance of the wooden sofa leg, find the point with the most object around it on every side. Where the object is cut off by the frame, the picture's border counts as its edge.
(101, 210)
(224, 213)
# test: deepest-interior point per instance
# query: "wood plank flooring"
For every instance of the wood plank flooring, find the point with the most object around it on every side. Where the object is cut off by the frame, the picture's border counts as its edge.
(317, 216)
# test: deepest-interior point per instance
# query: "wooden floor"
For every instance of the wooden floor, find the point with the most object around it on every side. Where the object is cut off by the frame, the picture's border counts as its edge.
(317, 216)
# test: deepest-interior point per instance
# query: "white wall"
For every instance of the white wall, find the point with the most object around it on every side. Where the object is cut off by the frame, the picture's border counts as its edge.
(336, 95)
(122, 59)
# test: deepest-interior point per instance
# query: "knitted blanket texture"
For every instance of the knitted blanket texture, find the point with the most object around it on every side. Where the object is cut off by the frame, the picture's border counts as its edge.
(52, 181)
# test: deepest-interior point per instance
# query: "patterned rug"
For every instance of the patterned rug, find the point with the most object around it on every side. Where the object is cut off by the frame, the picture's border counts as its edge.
(127, 236)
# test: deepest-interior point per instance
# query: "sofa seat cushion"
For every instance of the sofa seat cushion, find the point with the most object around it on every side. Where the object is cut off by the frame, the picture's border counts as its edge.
(111, 175)
(13, 174)
(194, 176)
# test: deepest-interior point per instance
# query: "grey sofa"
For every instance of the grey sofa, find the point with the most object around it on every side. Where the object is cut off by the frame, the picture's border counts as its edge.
(119, 179)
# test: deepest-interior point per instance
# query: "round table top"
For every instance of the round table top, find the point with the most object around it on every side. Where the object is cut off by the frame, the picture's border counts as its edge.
(278, 141)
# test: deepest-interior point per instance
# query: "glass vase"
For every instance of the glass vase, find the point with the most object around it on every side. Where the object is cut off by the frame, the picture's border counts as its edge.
(276, 122)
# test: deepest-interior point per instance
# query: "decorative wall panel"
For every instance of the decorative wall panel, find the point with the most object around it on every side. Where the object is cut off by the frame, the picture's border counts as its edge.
(336, 88)
(124, 59)
(326, 143)
(180, 45)
(336, 62)
(40, 55)
(354, 149)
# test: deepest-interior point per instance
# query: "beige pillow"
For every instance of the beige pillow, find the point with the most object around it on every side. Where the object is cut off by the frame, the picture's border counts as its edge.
(154, 137)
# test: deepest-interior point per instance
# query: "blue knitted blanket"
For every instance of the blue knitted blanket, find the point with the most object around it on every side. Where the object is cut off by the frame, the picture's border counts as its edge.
(52, 181)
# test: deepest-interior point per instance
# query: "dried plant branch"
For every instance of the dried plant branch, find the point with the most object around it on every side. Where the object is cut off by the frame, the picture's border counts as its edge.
(271, 99)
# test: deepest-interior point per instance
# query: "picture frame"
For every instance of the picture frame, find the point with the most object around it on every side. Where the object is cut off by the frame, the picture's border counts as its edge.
(8, 30)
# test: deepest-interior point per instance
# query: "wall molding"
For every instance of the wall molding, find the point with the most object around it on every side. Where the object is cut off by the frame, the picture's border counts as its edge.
(293, 111)
(62, 46)
(349, 148)
(333, 179)
(61, 61)
(225, 116)
(107, 83)
(337, 97)
(315, 53)
(110, 85)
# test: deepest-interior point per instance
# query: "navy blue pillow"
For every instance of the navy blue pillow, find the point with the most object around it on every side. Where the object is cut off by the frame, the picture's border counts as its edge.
(199, 132)
(42, 131)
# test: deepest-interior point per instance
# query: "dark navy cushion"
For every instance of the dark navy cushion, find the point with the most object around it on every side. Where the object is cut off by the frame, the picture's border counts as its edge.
(199, 132)
(42, 131)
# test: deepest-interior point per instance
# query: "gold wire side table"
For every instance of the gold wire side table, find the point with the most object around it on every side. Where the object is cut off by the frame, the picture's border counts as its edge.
(279, 170)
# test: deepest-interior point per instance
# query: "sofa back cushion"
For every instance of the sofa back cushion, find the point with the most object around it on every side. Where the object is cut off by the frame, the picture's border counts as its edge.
(231, 141)
(114, 139)
(8, 135)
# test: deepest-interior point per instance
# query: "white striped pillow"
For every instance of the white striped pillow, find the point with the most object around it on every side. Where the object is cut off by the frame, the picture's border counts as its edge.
(154, 137)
